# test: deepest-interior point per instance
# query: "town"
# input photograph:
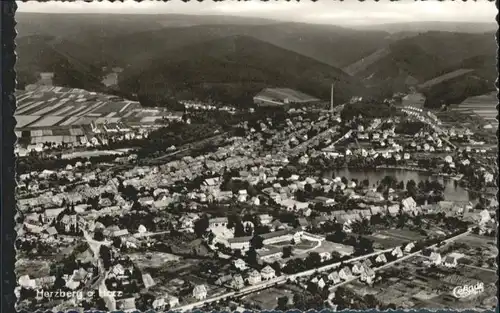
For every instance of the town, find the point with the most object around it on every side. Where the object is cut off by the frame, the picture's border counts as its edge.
(295, 203)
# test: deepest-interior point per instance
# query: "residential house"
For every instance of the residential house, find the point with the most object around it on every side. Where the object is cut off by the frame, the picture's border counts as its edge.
(237, 282)
(173, 301)
(222, 280)
(345, 273)
(242, 243)
(254, 277)
(127, 304)
(240, 264)
(50, 215)
(450, 262)
(374, 196)
(120, 233)
(242, 195)
(485, 216)
(160, 303)
(303, 222)
(268, 273)
(367, 263)
(148, 280)
(69, 221)
(200, 292)
(409, 204)
(357, 268)
(321, 283)
(381, 259)
(325, 256)
(266, 254)
(393, 209)
(397, 252)
(409, 247)
(435, 258)
(26, 282)
(118, 270)
(334, 278)
(368, 275)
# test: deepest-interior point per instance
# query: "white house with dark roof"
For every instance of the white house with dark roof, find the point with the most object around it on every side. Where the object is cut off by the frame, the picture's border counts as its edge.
(381, 259)
(254, 277)
(409, 247)
(357, 268)
(450, 262)
(334, 277)
(435, 258)
(345, 273)
(397, 252)
(240, 264)
(409, 204)
(237, 282)
(268, 273)
(368, 275)
(51, 214)
(200, 292)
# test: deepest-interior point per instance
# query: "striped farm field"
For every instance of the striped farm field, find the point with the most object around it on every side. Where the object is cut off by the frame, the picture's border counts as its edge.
(23, 120)
(47, 106)
(47, 121)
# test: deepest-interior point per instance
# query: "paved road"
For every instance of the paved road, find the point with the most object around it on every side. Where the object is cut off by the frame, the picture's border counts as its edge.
(481, 268)
(303, 146)
(144, 235)
(277, 281)
(192, 145)
(284, 278)
(406, 257)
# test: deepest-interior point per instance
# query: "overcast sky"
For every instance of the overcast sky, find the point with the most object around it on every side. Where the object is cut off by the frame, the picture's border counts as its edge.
(348, 12)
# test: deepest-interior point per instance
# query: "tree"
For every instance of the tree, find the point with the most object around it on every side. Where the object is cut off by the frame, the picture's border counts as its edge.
(401, 185)
(201, 225)
(117, 242)
(284, 172)
(299, 301)
(252, 256)
(313, 260)
(105, 255)
(371, 301)
(98, 235)
(282, 303)
(248, 230)
(257, 242)
(338, 236)
(239, 229)
(287, 251)
(237, 253)
(308, 188)
(363, 246)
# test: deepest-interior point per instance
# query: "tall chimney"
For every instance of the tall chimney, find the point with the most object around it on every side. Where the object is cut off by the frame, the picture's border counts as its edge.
(331, 100)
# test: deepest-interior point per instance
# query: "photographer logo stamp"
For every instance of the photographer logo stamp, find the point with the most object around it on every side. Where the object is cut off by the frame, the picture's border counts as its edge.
(465, 291)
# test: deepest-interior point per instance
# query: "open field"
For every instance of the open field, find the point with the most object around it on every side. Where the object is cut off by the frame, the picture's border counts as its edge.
(33, 267)
(413, 284)
(153, 259)
(445, 77)
(483, 106)
(268, 298)
(394, 237)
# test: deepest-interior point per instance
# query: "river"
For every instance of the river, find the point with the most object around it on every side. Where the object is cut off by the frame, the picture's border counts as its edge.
(452, 191)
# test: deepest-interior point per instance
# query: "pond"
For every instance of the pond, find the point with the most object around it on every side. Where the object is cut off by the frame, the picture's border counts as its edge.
(452, 191)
